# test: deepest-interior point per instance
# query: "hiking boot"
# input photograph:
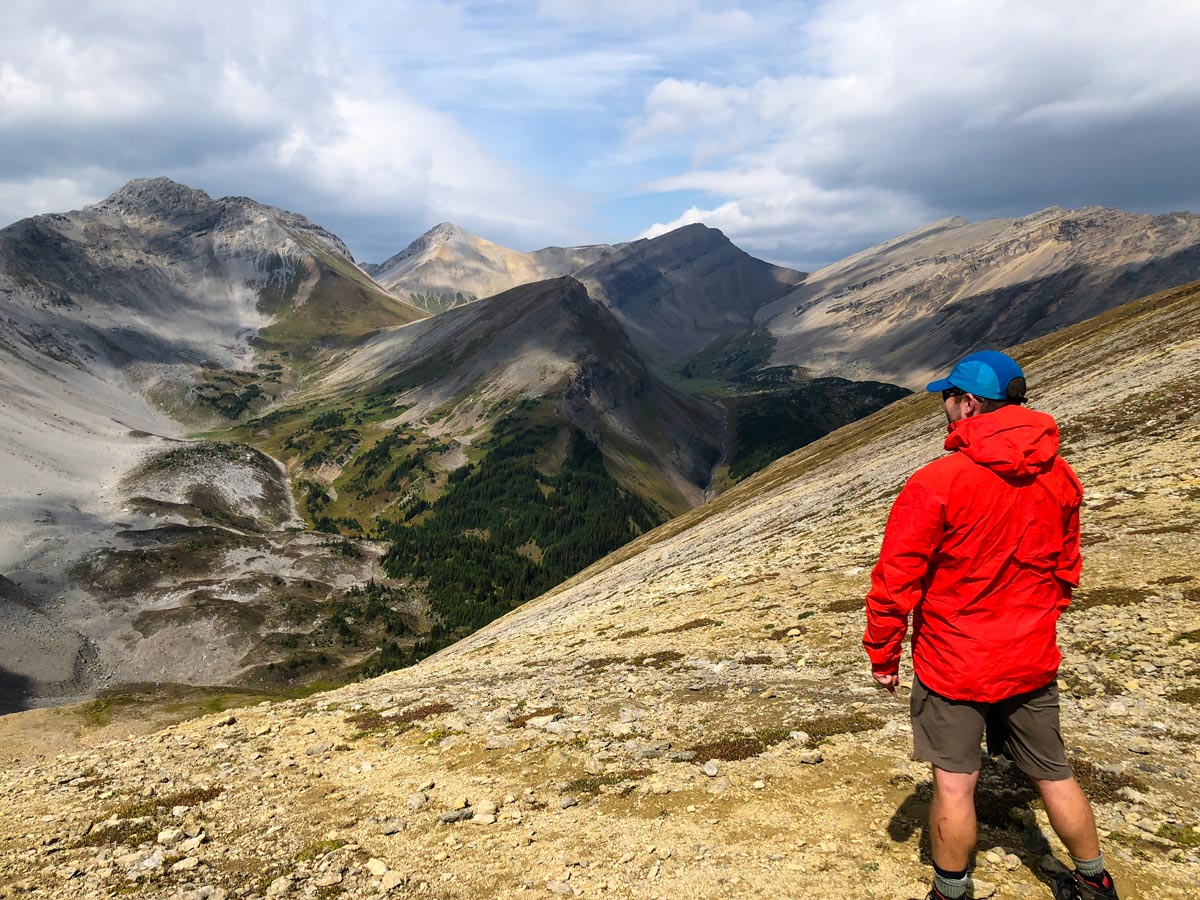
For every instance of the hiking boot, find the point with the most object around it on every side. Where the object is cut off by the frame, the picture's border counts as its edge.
(1071, 887)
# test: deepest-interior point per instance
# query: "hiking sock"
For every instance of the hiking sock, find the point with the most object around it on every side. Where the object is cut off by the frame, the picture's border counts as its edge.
(950, 885)
(1089, 868)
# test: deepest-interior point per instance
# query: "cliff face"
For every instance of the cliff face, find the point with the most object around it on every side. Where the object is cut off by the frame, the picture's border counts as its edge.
(693, 715)
(910, 306)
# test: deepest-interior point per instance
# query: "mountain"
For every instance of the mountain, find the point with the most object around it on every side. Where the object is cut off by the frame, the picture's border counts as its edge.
(906, 308)
(447, 267)
(676, 293)
(456, 373)
(121, 326)
(692, 715)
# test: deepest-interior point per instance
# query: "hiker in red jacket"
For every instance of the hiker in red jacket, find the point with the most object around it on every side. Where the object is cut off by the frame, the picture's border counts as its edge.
(982, 548)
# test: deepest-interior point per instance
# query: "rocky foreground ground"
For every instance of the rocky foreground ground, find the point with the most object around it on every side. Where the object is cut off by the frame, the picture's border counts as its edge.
(693, 716)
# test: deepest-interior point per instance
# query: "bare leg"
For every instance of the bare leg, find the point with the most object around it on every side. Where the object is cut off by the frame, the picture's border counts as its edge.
(1070, 816)
(952, 818)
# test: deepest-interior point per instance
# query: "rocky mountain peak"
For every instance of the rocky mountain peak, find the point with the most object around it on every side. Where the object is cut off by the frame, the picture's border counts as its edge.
(155, 196)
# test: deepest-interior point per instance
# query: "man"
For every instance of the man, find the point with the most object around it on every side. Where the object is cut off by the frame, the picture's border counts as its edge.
(982, 548)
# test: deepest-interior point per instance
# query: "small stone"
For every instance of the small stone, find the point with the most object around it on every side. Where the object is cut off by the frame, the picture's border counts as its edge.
(392, 826)
(480, 819)
(228, 720)
(800, 737)
(980, 890)
(416, 801)
(456, 815)
(1140, 745)
(391, 881)
(568, 802)
(719, 785)
(486, 808)
(497, 742)
(189, 862)
(559, 887)
(768, 694)
(192, 843)
(280, 887)
(377, 867)
(710, 769)
(319, 749)
(811, 757)
(759, 785)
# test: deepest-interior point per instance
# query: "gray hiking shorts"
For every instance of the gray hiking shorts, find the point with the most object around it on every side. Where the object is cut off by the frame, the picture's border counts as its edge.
(1024, 728)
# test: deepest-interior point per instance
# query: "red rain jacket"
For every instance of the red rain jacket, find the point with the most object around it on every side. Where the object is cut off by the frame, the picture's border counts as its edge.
(982, 547)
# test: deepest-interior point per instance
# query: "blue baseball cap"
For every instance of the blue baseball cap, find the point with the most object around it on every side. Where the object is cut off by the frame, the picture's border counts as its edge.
(985, 373)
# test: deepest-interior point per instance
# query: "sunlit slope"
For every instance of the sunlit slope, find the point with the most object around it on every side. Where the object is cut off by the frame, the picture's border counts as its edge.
(913, 304)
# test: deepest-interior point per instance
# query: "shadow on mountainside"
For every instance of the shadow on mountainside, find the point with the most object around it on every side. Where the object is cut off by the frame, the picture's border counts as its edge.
(15, 690)
(1004, 807)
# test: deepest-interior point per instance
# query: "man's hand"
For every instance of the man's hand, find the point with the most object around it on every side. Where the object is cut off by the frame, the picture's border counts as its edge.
(887, 680)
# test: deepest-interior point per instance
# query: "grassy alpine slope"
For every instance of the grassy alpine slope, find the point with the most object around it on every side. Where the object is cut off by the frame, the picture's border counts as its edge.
(577, 728)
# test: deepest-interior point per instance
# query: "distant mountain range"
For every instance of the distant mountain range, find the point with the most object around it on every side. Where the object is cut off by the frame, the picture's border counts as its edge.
(908, 307)
(447, 267)
(452, 431)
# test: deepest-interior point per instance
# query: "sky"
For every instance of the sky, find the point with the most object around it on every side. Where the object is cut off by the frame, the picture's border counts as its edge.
(805, 131)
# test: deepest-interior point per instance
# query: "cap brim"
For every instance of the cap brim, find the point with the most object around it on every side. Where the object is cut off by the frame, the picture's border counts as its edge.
(936, 387)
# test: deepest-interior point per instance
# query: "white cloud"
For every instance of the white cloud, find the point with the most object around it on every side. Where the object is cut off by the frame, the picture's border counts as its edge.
(268, 99)
(917, 109)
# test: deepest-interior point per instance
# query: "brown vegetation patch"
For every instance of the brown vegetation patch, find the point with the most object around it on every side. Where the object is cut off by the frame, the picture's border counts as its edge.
(129, 832)
(370, 720)
(658, 660)
(740, 746)
(1102, 785)
(1106, 596)
(187, 797)
(1182, 528)
(757, 660)
(632, 633)
(519, 721)
(694, 623)
(1190, 694)
(846, 604)
(825, 727)
(1174, 579)
(591, 784)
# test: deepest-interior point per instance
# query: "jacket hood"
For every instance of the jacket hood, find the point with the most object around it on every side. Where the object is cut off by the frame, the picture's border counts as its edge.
(1013, 441)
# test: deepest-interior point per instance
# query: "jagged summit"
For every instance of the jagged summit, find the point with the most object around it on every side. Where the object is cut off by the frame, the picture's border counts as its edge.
(154, 196)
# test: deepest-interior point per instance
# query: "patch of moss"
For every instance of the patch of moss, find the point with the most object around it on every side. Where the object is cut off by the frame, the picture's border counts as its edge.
(694, 623)
(845, 604)
(1106, 596)
(1182, 835)
(591, 784)
(1189, 694)
(152, 805)
(129, 833)
(521, 720)
(1102, 785)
